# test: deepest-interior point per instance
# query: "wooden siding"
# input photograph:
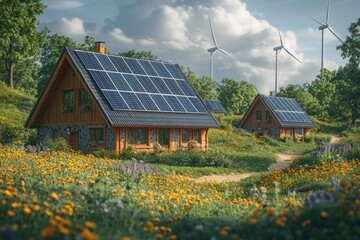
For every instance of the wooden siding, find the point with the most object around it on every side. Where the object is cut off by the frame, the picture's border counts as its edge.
(121, 144)
(251, 122)
(51, 112)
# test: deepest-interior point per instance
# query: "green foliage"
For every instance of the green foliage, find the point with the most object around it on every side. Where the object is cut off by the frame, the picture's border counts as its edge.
(308, 102)
(19, 39)
(56, 145)
(228, 122)
(204, 85)
(236, 96)
(128, 153)
(139, 54)
(353, 154)
(103, 153)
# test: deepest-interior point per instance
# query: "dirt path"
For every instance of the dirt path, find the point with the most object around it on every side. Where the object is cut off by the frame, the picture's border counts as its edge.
(283, 160)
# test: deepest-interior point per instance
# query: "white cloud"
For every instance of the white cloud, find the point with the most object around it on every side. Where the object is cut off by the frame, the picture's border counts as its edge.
(73, 27)
(118, 34)
(64, 4)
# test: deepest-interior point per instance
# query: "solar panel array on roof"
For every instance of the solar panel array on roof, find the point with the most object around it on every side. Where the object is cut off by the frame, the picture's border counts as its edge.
(287, 109)
(215, 106)
(141, 85)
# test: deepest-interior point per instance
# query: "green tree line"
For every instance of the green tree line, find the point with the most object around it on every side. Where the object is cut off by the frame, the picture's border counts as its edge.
(28, 57)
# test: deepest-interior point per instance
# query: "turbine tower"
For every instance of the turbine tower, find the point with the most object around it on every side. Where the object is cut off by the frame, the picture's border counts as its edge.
(214, 49)
(322, 28)
(277, 50)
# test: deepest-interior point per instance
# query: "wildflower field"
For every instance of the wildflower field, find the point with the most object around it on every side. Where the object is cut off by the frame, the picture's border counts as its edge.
(68, 195)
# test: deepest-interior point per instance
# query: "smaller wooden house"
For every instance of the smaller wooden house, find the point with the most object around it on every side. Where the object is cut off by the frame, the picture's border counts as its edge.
(276, 117)
(102, 101)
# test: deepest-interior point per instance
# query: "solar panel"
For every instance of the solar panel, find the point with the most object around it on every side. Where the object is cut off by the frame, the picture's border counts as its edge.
(160, 69)
(115, 100)
(148, 68)
(134, 66)
(132, 101)
(161, 102)
(119, 81)
(105, 62)
(89, 60)
(215, 106)
(189, 107)
(147, 101)
(120, 64)
(199, 106)
(160, 85)
(134, 83)
(287, 109)
(147, 84)
(102, 80)
(174, 71)
(173, 86)
(141, 85)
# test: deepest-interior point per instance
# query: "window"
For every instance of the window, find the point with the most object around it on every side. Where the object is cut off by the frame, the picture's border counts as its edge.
(190, 134)
(97, 137)
(68, 101)
(163, 136)
(138, 136)
(56, 134)
(258, 116)
(299, 131)
(84, 101)
(268, 117)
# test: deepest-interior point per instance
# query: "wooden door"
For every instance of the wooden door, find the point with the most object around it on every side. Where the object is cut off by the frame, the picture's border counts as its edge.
(73, 140)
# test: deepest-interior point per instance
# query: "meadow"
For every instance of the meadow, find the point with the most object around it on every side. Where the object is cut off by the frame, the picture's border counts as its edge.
(69, 195)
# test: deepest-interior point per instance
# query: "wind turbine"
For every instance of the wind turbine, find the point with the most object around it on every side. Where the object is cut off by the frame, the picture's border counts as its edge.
(322, 28)
(277, 50)
(214, 49)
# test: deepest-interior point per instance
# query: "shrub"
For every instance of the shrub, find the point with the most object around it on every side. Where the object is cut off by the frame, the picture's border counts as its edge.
(286, 139)
(56, 145)
(9, 134)
(102, 153)
(271, 141)
(353, 154)
(128, 153)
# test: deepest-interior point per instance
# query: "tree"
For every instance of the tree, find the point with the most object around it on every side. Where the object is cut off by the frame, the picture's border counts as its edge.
(139, 54)
(349, 76)
(236, 96)
(323, 89)
(308, 102)
(347, 96)
(52, 48)
(204, 86)
(19, 38)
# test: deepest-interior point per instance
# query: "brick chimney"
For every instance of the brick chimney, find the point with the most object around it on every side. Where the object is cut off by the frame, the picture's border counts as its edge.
(100, 47)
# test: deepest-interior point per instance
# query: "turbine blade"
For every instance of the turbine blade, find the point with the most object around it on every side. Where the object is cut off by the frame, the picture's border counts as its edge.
(291, 54)
(212, 33)
(322, 24)
(225, 52)
(281, 42)
(328, 12)
(333, 32)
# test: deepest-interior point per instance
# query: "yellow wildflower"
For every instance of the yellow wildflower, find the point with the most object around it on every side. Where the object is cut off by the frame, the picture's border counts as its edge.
(27, 210)
(324, 214)
(90, 224)
(10, 213)
(54, 196)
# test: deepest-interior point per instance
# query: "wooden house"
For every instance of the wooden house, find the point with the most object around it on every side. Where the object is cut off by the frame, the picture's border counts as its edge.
(102, 101)
(277, 117)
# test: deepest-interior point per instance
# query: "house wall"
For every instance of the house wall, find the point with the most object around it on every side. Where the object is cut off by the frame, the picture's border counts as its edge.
(261, 127)
(83, 132)
(175, 139)
(52, 110)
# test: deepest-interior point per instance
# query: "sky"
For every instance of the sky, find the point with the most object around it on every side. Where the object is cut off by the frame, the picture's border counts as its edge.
(178, 31)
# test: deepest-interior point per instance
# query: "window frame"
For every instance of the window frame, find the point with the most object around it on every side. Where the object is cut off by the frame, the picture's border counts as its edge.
(258, 116)
(136, 136)
(87, 106)
(192, 134)
(97, 145)
(163, 130)
(71, 107)
(268, 117)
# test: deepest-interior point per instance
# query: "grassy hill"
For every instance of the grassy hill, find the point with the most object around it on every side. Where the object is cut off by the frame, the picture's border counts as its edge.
(15, 107)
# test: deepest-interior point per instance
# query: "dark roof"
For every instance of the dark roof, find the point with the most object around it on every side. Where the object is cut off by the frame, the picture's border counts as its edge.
(215, 106)
(196, 115)
(287, 111)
